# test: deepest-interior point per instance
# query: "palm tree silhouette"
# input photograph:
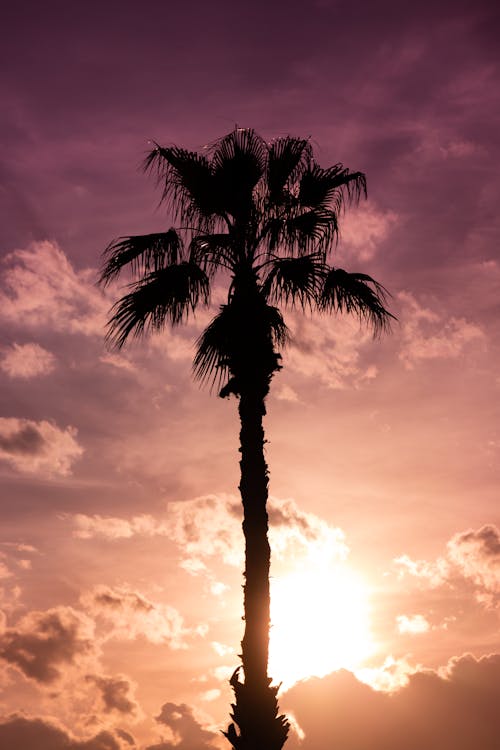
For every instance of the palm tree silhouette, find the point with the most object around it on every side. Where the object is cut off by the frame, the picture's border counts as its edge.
(264, 216)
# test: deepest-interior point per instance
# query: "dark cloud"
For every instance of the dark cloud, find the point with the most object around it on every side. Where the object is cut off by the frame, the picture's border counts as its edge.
(187, 731)
(25, 733)
(120, 599)
(456, 707)
(485, 541)
(25, 441)
(43, 644)
(115, 693)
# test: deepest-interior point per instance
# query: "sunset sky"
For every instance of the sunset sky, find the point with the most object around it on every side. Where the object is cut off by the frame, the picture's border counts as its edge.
(120, 540)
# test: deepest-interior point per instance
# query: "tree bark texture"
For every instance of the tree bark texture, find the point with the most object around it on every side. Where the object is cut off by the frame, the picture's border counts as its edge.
(255, 710)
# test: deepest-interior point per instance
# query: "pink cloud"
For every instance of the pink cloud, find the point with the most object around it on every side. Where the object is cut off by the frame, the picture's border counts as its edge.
(111, 527)
(26, 361)
(412, 624)
(42, 289)
(185, 731)
(127, 615)
(471, 556)
(116, 694)
(364, 228)
(453, 707)
(427, 335)
(38, 447)
(42, 645)
(477, 555)
(20, 731)
(329, 349)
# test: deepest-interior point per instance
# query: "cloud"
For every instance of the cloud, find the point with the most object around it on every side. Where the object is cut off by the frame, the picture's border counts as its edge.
(329, 348)
(118, 361)
(286, 393)
(427, 335)
(476, 554)
(4, 571)
(20, 731)
(453, 707)
(26, 361)
(38, 447)
(111, 527)
(412, 624)
(115, 693)
(364, 228)
(130, 615)
(42, 645)
(210, 526)
(186, 732)
(42, 289)
(471, 556)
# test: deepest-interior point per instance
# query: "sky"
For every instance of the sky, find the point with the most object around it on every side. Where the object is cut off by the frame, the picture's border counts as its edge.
(120, 540)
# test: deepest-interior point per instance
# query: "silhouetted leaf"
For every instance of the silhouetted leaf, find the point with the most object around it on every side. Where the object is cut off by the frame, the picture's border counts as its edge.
(164, 296)
(143, 253)
(287, 158)
(356, 293)
(295, 280)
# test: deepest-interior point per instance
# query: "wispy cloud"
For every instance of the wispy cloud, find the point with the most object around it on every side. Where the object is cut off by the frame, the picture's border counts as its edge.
(427, 334)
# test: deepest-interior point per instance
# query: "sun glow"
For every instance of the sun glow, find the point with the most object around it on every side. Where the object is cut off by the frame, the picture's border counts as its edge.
(319, 623)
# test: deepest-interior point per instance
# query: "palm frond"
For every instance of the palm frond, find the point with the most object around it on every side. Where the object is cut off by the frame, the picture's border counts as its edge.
(212, 251)
(302, 232)
(330, 187)
(295, 281)
(288, 157)
(187, 180)
(359, 294)
(163, 296)
(143, 253)
(238, 163)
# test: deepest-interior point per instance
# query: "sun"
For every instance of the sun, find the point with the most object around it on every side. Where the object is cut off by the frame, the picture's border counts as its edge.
(319, 623)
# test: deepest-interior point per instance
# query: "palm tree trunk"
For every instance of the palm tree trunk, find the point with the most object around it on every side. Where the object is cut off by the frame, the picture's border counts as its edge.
(256, 708)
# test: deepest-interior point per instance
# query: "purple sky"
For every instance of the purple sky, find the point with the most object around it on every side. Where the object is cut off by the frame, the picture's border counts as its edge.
(119, 546)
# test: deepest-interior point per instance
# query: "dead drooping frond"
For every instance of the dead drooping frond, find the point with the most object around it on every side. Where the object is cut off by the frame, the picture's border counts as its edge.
(164, 296)
(234, 337)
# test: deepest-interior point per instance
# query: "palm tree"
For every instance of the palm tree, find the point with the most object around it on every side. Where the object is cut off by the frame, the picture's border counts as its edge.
(264, 216)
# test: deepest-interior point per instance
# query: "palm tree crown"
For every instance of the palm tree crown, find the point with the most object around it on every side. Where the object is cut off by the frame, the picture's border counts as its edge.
(266, 216)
